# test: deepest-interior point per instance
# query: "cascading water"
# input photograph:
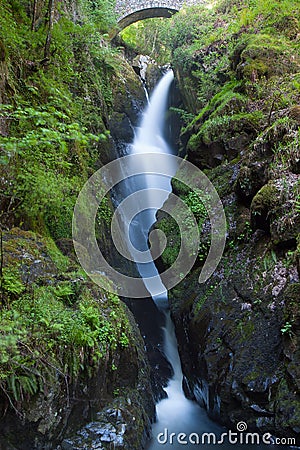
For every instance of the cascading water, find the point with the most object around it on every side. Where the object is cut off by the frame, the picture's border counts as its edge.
(175, 414)
(176, 410)
(149, 139)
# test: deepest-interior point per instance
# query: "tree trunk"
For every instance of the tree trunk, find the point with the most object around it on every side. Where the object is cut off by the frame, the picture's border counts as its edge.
(1, 267)
(50, 14)
(34, 13)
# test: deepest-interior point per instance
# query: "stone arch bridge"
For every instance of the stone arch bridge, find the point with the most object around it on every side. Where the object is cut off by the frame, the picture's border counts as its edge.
(130, 11)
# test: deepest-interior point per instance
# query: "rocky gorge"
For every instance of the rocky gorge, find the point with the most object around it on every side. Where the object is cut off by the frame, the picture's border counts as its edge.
(74, 371)
(238, 333)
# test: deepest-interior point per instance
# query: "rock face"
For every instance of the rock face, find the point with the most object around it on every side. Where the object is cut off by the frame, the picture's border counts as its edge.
(129, 100)
(238, 332)
(113, 391)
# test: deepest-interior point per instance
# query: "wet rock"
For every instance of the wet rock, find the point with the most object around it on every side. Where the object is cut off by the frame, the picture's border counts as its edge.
(140, 65)
(273, 210)
(112, 427)
(151, 330)
(229, 330)
(128, 103)
(251, 178)
(263, 205)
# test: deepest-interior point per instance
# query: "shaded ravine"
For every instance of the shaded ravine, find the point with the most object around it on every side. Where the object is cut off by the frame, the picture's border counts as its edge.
(175, 414)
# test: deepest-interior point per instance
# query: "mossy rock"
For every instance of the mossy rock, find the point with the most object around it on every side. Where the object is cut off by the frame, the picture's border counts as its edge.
(265, 56)
(292, 306)
(128, 93)
(262, 206)
(289, 26)
(250, 180)
(256, 69)
(223, 138)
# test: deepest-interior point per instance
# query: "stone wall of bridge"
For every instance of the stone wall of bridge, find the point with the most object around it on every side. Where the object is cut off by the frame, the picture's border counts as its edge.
(130, 11)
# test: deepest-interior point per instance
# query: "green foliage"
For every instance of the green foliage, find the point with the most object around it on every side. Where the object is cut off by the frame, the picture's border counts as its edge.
(11, 282)
(145, 37)
(226, 54)
(196, 203)
(42, 153)
(53, 120)
(287, 329)
(218, 128)
(101, 13)
(61, 262)
(42, 336)
(104, 213)
(9, 31)
(184, 115)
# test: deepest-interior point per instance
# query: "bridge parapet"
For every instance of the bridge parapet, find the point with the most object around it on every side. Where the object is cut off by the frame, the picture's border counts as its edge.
(126, 8)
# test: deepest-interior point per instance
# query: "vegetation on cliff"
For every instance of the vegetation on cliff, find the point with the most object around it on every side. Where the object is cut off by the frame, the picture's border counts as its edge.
(237, 67)
(61, 337)
(56, 91)
(62, 88)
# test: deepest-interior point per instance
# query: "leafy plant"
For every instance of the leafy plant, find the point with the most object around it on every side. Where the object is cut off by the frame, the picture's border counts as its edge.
(11, 282)
(287, 329)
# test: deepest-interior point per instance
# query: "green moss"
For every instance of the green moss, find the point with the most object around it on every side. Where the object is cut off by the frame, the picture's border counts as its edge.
(170, 229)
(288, 407)
(223, 127)
(60, 261)
(292, 306)
(40, 329)
(42, 335)
(52, 323)
(11, 283)
(265, 200)
(265, 56)
(246, 328)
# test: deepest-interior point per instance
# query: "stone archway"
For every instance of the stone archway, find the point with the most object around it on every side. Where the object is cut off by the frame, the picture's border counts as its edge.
(145, 14)
(131, 11)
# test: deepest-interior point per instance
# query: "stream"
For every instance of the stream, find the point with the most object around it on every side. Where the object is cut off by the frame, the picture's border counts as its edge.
(180, 421)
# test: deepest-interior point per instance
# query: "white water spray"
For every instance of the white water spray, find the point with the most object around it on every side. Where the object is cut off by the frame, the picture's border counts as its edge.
(176, 413)
(149, 139)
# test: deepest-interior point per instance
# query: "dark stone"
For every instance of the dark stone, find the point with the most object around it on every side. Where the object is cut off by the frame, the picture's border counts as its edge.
(152, 333)
(251, 178)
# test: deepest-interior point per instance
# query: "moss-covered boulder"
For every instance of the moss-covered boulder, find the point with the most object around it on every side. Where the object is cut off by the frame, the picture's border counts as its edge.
(263, 206)
(265, 56)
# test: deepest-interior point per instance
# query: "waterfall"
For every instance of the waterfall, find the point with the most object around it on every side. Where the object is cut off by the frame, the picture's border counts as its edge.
(175, 414)
(176, 410)
(149, 138)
